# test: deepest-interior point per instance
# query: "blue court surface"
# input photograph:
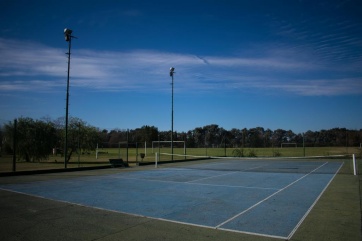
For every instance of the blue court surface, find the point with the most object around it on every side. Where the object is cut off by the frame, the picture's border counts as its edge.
(245, 200)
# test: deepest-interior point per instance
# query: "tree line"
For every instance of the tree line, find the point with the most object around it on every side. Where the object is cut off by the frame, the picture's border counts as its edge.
(37, 139)
(215, 136)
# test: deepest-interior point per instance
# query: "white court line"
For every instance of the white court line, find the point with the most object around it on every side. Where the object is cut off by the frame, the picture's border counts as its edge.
(252, 233)
(315, 202)
(257, 204)
(229, 173)
(204, 178)
(252, 168)
(199, 184)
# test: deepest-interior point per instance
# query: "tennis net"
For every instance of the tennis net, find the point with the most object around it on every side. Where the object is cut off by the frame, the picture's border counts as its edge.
(343, 164)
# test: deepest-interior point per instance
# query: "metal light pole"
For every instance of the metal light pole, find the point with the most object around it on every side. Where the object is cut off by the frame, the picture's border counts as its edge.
(172, 71)
(68, 37)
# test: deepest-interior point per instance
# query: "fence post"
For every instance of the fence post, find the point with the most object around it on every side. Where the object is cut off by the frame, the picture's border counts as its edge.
(156, 159)
(354, 165)
(15, 140)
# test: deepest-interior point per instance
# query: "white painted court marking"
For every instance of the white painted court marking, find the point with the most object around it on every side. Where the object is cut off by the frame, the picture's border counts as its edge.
(257, 204)
(204, 178)
(311, 207)
(198, 184)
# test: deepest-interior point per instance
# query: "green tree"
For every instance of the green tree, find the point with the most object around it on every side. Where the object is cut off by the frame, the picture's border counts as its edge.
(35, 139)
(82, 137)
(255, 137)
(145, 134)
(190, 140)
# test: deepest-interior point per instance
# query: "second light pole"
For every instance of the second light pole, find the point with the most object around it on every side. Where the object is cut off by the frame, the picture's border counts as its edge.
(68, 37)
(172, 71)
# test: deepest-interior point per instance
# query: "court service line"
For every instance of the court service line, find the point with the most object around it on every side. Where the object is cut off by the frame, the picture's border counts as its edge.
(229, 173)
(252, 168)
(265, 199)
(199, 184)
(204, 178)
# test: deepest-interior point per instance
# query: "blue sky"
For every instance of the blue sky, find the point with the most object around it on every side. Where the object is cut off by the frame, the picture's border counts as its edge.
(240, 64)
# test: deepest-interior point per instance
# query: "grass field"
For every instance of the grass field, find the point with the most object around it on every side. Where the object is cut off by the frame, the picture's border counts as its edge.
(92, 159)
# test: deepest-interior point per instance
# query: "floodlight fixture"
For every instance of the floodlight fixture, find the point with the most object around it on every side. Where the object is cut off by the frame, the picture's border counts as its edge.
(67, 34)
(172, 71)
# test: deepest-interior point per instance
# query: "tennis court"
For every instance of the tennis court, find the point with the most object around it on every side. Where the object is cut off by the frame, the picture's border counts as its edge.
(266, 198)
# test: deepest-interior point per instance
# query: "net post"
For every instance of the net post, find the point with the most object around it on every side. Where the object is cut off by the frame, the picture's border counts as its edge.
(97, 152)
(185, 149)
(354, 165)
(145, 148)
(156, 159)
(15, 143)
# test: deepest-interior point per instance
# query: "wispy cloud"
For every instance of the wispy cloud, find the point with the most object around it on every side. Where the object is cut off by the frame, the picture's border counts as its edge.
(321, 87)
(28, 66)
(334, 38)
